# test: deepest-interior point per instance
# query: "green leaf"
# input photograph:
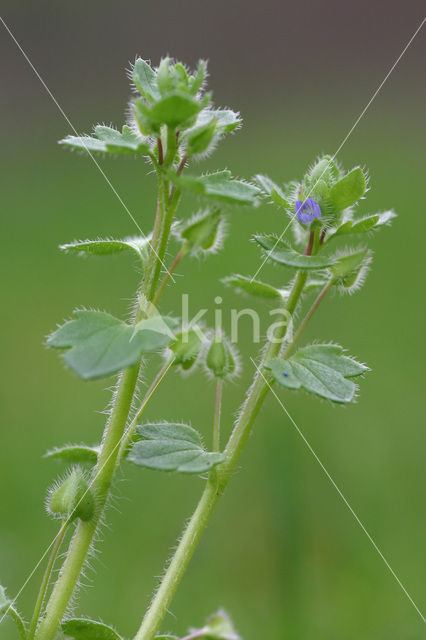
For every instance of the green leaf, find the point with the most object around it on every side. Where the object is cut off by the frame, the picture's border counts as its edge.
(172, 447)
(100, 247)
(362, 225)
(347, 264)
(348, 190)
(7, 608)
(98, 344)
(196, 81)
(200, 138)
(279, 251)
(269, 187)
(109, 140)
(82, 629)
(174, 109)
(226, 120)
(218, 186)
(144, 78)
(244, 284)
(74, 454)
(322, 369)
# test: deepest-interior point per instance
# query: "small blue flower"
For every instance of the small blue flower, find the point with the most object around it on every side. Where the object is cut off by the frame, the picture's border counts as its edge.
(307, 210)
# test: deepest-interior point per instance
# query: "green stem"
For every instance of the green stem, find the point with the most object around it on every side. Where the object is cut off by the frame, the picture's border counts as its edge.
(114, 430)
(216, 483)
(128, 435)
(46, 578)
(307, 317)
(216, 418)
(168, 275)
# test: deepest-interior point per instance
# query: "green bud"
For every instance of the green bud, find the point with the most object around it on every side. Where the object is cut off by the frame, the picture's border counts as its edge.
(204, 232)
(196, 81)
(200, 138)
(185, 348)
(164, 76)
(143, 122)
(73, 498)
(220, 359)
(324, 169)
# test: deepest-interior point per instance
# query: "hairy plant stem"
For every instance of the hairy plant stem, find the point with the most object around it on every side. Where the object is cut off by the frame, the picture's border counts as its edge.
(216, 418)
(103, 474)
(46, 577)
(130, 431)
(216, 482)
(178, 257)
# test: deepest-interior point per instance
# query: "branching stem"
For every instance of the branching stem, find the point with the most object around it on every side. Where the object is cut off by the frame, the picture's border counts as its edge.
(114, 430)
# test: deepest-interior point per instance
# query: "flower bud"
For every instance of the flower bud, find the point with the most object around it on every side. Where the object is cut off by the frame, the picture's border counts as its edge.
(73, 498)
(220, 360)
(204, 232)
(185, 348)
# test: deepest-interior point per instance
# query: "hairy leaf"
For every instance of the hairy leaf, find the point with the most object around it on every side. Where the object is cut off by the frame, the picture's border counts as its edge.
(269, 187)
(82, 629)
(174, 109)
(363, 225)
(99, 344)
(218, 186)
(244, 284)
(109, 140)
(322, 369)
(278, 251)
(144, 78)
(74, 454)
(172, 447)
(106, 247)
(348, 190)
(201, 137)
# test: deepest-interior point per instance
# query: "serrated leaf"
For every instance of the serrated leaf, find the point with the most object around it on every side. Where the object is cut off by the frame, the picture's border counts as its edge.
(74, 454)
(144, 79)
(128, 141)
(99, 344)
(348, 190)
(271, 189)
(172, 447)
(244, 284)
(218, 186)
(226, 120)
(106, 247)
(82, 629)
(349, 263)
(278, 251)
(109, 140)
(363, 225)
(174, 109)
(322, 369)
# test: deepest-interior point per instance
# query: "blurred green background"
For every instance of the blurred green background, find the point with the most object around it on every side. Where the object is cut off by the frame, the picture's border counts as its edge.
(283, 553)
